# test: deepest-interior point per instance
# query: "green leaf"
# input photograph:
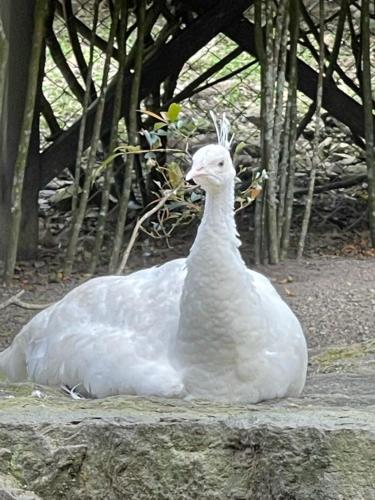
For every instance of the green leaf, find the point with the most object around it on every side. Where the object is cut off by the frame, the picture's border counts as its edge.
(159, 125)
(173, 111)
(175, 175)
(240, 146)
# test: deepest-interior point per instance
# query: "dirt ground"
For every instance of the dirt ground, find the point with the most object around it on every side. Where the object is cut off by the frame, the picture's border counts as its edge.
(334, 298)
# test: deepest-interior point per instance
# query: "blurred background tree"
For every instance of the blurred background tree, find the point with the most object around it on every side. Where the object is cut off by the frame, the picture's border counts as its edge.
(294, 77)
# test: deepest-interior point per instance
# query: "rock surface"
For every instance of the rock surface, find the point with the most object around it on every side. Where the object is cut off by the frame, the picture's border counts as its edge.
(321, 446)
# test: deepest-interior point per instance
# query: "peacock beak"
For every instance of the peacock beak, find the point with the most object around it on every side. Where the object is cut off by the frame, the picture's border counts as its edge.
(196, 170)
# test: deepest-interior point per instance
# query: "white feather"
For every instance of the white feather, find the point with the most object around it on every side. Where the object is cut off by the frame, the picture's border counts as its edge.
(222, 128)
(203, 327)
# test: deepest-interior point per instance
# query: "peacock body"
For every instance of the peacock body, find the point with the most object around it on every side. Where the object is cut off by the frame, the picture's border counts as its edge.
(201, 327)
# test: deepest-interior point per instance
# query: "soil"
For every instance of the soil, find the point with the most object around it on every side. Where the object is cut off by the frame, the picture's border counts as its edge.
(334, 297)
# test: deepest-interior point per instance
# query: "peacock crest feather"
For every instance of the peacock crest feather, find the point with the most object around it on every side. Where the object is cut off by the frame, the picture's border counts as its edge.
(222, 127)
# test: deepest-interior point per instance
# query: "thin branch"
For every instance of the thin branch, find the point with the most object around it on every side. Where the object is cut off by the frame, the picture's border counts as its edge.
(268, 157)
(138, 226)
(15, 300)
(86, 101)
(132, 135)
(79, 215)
(117, 107)
(11, 300)
(332, 63)
(280, 66)
(291, 133)
(315, 148)
(368, 108)
(260, 201)
(152, 15)
(4, 51)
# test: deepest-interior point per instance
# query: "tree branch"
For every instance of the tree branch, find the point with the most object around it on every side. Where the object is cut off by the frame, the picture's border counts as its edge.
(15, 300)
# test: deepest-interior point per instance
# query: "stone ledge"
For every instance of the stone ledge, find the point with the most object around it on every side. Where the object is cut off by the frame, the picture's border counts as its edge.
(321, 446)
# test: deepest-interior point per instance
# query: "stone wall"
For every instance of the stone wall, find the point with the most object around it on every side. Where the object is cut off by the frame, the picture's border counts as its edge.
(321, 446)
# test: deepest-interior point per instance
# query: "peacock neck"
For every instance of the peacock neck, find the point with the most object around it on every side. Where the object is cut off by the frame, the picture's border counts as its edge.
(213, 301)
(218, 222)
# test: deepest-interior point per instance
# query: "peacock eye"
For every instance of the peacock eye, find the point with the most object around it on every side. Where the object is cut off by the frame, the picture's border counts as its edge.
(221, 163)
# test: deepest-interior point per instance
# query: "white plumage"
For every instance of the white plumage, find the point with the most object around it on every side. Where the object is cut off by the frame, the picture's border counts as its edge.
(202, 327)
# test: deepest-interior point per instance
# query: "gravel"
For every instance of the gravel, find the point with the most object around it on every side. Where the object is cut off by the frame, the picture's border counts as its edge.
(334, 298)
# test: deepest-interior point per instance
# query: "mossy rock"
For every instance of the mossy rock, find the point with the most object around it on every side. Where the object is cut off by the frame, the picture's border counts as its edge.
(360, 356)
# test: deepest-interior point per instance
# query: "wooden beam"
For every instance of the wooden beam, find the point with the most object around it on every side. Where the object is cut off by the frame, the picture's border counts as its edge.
(335, 101)
(185, 44)
(346, 182)
(214, 17)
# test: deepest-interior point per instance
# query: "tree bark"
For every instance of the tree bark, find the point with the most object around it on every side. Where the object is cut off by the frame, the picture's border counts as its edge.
(79, 214)
(109, 174)
(17, 16)
(25, 133)
(132, 138)
(368, 109)
(292, 132)
(268, 143)
(315, 160)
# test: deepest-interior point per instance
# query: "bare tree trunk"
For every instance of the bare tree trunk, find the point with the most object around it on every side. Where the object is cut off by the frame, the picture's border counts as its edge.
(283, 171)
(271, 44)
(292, 96)
(117, 108)
(281, 119)
(4, 48)
(268, 145)
(315, 160)
(79, 215)
(368, 112)
(40, 14)
(280, 66)
(16, 13)
(132, 137)
(258, 219)
(257, 230)
(86, 102)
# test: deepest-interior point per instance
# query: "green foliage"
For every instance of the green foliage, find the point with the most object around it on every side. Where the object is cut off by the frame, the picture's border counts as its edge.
(173, 112)
(185, 205)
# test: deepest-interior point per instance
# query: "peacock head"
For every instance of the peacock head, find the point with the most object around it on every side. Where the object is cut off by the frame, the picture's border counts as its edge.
(212, 167)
